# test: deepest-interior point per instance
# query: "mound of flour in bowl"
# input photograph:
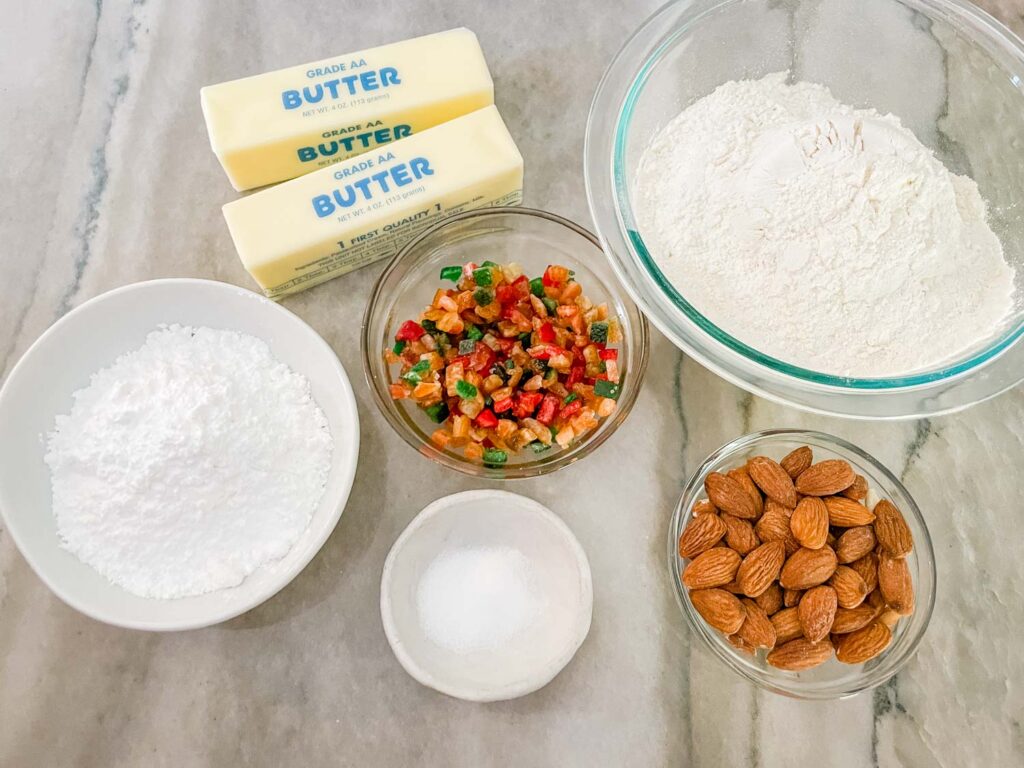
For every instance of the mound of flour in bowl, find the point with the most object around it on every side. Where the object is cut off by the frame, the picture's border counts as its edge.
(825, 236)
(188, 463)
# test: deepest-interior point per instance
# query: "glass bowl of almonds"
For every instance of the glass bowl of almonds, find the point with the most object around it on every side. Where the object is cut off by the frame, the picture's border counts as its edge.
(803, 563)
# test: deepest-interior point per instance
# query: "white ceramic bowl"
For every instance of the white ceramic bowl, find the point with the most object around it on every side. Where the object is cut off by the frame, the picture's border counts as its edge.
(91, 337)
(489, 519)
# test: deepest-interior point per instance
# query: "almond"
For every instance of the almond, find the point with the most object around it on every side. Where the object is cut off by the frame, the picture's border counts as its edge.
(770, 600)
(774, 525)
(720, 609)
(846, 513)
(896, 584)
(858, 491)
(729, 496)
(890, 618)
(787, 625)
(809, 523)
(808, 568)
(892, 530)
(797, 460)
(740, 644)
(704, 507)
(713, 568)
(876, 601)
(864, 644)
(757, 628)
(867, 567)
(741, 476)
(825, 478)
(849, 586)
(701, 534)
(800, 654)
(791, 597)
(739, 534)
(760, 568)
(733, 587)
(855, 543)
(771, 478)
(852, 619)
(816, 612)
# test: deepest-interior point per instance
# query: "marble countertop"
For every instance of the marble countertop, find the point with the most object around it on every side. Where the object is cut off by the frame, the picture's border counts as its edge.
(109, 180)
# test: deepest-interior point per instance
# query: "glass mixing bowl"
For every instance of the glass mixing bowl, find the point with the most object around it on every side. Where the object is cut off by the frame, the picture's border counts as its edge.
(951, 73)
(832, 679)
(534, 239)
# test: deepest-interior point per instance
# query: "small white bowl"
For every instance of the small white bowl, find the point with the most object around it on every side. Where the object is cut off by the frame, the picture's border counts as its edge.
(93, 336)
(532, 658)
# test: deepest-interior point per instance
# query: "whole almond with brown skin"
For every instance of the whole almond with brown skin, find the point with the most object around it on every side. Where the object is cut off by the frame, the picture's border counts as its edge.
(858, 491)
(760, 568)
(770, 600)
(774, 525)
(719, 608)
(771, 478)
(867, 567)
(757, 628)
(855, 543)
(797, 460)
(742, 476)
(808, 568)
(892, 530)
(816, 612)
(846, 513)
(852, 619)
(729, 496)
(704, 507)
(849, 586)
(896, 584)
(864, 644)
(787, 625)
(825, 478)
(809, 523)
(713, 568)
(700, 535)
(799, 654)
(791, 597)
(739, 534)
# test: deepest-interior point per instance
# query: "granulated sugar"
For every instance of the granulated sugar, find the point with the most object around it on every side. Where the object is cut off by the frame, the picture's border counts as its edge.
(188, 463)
(825, 236)
(476, 599)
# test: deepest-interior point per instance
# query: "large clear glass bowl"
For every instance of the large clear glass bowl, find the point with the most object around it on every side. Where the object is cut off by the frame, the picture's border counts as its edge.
(833, 679)
(948, 70)
(533, 239)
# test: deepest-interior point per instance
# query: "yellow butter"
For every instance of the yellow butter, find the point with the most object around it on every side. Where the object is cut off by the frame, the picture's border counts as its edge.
(283, 124)
(308, 230)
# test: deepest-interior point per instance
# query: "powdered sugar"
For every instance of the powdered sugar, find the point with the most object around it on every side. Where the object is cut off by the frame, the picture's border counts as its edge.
(478, 598)
(188, 463)
(825, 236)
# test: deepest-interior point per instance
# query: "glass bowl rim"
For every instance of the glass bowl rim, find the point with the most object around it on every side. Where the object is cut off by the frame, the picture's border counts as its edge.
(640, 338)
(981, 23)
(923, 550)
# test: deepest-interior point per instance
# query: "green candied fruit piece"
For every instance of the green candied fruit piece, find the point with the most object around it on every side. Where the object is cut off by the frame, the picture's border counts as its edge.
(609, 389)
(451, 273)
(483, 276)
(438, 412)
(465, 390)
(483, 296)
(599, 331)
(494, 456)
(537, 287)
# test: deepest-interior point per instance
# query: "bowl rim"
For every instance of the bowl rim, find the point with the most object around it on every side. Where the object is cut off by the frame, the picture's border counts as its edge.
(923, 551)
(640, 339)
(608, 197)
(518, 688)
(230, 609)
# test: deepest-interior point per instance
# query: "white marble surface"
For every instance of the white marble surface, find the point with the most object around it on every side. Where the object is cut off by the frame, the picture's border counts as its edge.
(109, 180)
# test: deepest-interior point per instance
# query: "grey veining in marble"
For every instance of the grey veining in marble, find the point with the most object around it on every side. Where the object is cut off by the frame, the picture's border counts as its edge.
(109, 180)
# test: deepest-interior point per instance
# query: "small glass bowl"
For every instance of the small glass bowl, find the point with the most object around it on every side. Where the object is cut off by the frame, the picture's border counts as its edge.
(534, 239)
(833, 679)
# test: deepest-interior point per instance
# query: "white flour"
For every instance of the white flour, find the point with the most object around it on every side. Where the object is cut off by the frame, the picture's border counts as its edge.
(188, 463)
(478, 598)
(825, 236)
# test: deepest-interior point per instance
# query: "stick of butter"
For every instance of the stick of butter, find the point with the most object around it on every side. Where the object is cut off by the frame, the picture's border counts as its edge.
(308, 230)
(283, 124)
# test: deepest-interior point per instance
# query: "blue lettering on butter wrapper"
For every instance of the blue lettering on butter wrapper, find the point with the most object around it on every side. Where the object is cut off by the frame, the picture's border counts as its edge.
(357, 141)
(350, 85)
(367, 187)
